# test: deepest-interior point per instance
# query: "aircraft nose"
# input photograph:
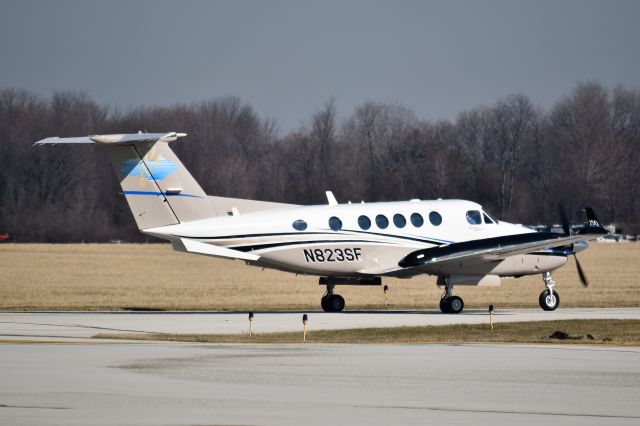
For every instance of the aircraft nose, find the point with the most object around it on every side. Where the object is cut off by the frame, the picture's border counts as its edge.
(578, 246)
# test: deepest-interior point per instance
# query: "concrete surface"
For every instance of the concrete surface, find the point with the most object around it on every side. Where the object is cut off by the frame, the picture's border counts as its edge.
(192, 384)
(87, 324)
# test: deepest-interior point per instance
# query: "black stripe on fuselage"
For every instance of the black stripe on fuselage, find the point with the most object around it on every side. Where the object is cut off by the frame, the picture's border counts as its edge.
(246, 236)
(243, 236)
(299, 243)
(422, 240)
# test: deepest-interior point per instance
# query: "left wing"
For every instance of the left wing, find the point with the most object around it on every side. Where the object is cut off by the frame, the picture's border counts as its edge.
(489, 249)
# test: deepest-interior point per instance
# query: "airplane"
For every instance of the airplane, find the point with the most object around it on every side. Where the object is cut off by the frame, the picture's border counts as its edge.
(342, 243)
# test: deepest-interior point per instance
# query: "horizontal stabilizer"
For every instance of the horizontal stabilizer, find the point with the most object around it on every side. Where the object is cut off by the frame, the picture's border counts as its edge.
(193, 246)
(119, 139)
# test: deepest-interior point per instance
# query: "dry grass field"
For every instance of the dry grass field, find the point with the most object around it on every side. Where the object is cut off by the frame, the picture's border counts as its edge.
(152, 276)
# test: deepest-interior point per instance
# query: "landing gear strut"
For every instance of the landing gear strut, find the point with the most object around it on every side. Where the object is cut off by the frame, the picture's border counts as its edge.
(331, 302)
(450, 304)
(549, 300)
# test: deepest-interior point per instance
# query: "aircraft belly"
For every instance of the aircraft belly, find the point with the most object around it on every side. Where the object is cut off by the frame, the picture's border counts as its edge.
(338, 259)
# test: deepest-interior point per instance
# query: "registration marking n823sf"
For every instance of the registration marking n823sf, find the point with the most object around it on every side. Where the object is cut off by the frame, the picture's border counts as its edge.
(333, 255)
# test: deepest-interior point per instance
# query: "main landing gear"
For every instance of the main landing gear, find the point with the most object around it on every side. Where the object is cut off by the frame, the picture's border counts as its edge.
(450, 304)
(549, 300)
(331, 302)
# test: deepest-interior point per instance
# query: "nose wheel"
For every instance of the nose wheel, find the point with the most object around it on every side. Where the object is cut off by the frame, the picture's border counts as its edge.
(549, 300)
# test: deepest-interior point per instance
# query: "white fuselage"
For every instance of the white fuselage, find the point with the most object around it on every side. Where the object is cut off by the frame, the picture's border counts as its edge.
(353, 246)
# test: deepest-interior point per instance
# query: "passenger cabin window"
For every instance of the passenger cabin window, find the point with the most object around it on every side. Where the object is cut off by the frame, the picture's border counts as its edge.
(364, 222)
(382, 221)
(335, 223)
(474, 217)
(399, 220)
(299, 225)
(435, 218)
(416, 220)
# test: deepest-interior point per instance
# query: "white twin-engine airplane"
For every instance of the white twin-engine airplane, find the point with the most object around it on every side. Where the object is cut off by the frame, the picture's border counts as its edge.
(343, 244)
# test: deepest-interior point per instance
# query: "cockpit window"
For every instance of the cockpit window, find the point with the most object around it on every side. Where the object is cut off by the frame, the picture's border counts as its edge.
(487, 219)
(474, 217)
(491, 218)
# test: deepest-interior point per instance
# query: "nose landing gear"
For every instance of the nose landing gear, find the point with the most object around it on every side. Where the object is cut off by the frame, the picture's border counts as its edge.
(549, 300)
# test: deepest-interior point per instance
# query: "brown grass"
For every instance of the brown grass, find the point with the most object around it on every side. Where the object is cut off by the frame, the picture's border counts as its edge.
(613, 332)
(152, 276)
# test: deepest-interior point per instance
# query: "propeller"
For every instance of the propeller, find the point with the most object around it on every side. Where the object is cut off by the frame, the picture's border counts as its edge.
(566, 227)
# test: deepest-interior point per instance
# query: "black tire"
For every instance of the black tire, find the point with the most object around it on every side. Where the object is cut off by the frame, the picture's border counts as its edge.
(443, 306)
(324, 303)
(455, 305)
(546, 303)
(332, 303)
(336, 303)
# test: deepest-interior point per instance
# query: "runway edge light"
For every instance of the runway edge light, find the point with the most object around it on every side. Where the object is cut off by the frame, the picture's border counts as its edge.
(386, 290)
(250, 324)
(305, 320)
(491, 317)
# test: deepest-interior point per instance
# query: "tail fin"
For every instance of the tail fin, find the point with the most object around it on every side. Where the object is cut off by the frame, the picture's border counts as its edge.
(592, 226)
(159, 189)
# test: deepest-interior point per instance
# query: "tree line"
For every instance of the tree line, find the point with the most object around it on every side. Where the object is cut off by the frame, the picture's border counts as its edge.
(516, 159)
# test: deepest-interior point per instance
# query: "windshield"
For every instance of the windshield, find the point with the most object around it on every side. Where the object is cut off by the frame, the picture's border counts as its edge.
(488, 217)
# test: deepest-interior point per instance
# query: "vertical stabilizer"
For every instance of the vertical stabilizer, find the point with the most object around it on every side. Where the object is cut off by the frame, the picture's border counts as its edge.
(159, 189)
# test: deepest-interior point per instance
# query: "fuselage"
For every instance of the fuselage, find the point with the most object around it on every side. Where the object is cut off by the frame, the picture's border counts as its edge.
(361, 239)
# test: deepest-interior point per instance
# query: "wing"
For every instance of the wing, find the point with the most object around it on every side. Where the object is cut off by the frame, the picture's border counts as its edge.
(491, 249)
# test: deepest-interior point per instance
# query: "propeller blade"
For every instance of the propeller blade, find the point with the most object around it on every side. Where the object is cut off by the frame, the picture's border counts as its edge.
(564, 219)
(583, 277)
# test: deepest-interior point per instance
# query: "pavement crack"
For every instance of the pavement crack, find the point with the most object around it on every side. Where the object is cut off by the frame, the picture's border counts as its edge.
(34, 407)
(532, 413)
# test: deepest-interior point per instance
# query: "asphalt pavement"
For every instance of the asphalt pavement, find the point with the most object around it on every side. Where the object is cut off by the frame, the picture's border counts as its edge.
(194, 384)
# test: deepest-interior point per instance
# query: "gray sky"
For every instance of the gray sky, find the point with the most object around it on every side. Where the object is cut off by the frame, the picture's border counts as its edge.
(287, 58)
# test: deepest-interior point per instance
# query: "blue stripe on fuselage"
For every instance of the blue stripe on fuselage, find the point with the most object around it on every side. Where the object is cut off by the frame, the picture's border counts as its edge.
(157, 193)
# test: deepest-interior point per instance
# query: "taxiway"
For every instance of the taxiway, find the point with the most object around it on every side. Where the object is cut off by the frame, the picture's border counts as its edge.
(87, 324)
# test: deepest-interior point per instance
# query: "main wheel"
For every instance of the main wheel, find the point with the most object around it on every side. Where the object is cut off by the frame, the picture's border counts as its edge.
(324, 302)
(443, 305)
(549, 301)
(451, 305)
(332, 303)
(337, 303)
(455, 304)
